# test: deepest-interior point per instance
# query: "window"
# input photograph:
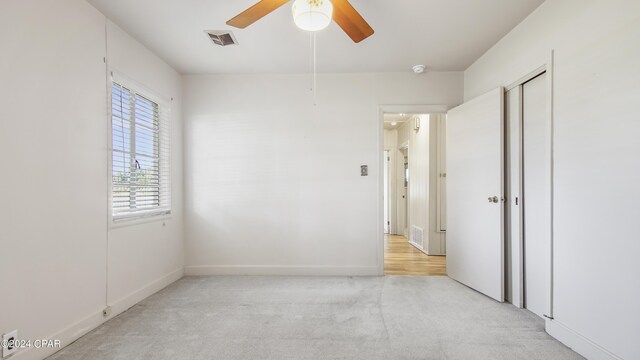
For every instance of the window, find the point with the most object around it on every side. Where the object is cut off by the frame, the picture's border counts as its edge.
(139, 156)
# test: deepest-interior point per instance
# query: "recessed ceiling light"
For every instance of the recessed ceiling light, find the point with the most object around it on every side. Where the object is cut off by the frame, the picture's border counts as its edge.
(394, 123)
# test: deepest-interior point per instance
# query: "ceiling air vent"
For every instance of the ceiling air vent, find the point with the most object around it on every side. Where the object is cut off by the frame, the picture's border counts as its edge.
(222, 38)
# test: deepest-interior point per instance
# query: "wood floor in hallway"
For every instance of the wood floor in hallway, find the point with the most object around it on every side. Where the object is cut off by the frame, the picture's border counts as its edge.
(401, 258)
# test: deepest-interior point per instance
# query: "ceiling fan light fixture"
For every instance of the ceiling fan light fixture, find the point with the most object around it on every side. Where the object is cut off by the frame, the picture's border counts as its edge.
(312, 15)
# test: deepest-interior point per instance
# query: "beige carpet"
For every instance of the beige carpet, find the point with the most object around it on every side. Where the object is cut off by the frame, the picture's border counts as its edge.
(392, 317)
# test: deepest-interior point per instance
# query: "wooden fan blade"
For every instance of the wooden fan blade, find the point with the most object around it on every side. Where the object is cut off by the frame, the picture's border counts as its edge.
(351, 21)
(255, 13)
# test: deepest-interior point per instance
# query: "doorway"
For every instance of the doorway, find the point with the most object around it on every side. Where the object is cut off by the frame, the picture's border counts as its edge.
(413, 238)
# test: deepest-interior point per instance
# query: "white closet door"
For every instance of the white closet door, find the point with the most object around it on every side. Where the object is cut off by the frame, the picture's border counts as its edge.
(513, 291)
(475, 223)
(536, 204)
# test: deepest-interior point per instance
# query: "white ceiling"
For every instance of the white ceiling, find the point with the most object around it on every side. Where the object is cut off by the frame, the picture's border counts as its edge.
(442, 34)
(398, 119)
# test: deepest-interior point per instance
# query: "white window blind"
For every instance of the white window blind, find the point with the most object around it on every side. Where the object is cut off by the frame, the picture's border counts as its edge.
(140, 183)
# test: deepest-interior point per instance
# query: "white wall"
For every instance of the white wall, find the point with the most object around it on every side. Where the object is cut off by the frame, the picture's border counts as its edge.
(147, 256)
(272, 182)
(54, 185)
(54, 174)
(596, 132)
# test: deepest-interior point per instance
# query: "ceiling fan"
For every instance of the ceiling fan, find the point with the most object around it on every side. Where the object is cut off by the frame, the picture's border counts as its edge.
(311, 15)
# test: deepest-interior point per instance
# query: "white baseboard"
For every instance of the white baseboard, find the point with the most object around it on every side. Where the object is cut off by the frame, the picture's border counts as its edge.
(123, 304)
(206, 270)
(66, 337)
(82, 327)
(578, 342)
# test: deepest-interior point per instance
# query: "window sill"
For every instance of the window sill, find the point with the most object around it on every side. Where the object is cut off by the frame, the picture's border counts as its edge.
(116, 223)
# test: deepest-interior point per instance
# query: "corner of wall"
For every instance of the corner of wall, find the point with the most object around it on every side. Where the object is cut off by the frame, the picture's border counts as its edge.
(578, 342)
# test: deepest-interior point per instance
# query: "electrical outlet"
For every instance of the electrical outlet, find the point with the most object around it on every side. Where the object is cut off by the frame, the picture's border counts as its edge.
(9, 345)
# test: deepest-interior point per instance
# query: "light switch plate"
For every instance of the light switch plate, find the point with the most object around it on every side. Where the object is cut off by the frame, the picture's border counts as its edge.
(364, 170)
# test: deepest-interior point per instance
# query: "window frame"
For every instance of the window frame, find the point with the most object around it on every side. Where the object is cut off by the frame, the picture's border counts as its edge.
(164, 121)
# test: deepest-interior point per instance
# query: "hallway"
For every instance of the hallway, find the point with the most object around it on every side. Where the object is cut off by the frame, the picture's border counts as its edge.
(401, 258)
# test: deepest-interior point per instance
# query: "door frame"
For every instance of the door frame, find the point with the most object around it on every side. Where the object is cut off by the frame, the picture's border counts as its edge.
(393, 109)
(387, 205)
(517, 272)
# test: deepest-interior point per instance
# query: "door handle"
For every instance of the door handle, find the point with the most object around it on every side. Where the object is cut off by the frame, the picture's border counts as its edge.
(494, 199)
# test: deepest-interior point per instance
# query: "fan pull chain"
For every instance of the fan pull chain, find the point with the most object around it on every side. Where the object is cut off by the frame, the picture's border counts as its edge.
(311, 58)
(314, 70)
(313, 64)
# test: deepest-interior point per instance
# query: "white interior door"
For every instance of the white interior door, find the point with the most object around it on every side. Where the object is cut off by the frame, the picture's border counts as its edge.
(475, 146)
(403, 191)
(535, 200)
(442, 171)
(407, 191)
(387, 222)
